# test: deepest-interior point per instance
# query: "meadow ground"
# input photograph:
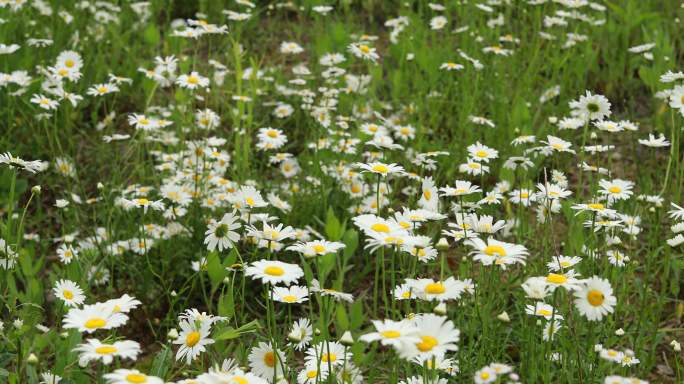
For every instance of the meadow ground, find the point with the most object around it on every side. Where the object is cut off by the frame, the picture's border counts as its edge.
(368, 191)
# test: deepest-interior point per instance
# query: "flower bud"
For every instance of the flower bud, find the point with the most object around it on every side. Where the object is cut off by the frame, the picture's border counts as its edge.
(32, 359)
(443, 244)
(173, 334)
(36, 189)
(347, 339)
(503, 316)
(620, 332)
(676, 346)
(440, 309)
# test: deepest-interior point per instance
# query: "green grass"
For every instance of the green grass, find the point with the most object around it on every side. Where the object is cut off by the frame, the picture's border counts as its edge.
(415, 92)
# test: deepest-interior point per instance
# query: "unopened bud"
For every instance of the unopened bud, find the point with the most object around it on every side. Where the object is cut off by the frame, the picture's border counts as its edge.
(443, 244)
(347, 339)
(32, 359)
(100, 186)
(676, 346)
(173, 334)
(620, 332)
(440, 309)
(503, 316)
(36, 189)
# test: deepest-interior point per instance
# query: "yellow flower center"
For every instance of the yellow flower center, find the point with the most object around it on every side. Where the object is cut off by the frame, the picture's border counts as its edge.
(380, 227)
(102, 89)
(544, 312)
(364, 48)
(497, 250)
(96, 322)
(427, 343)
(136, 378)
(240, 380)
(481, 154)
(427, 194)
(556, 278)
(311, 374)
(390, 334)
(595, 297)
(597, 206)
(269, 358)
(68, 294)
(192, 339)
(69, 63)
(273, 270)
(435, 288)
(318, 248)
(484, 375)
(380, 168)
(406, 295)
(289, 299)
(615, 189)
(105, 350)
(194, 80)
(557, 146)
(329, 357)
(272, 134)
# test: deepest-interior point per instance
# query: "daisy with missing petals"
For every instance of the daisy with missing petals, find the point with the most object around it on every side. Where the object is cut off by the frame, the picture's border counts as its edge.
(221, 234)
(561, 262)
(131, 376)
(192, 81)
(94, 349)
(462, 188)
(655, 142)
(557, 144)
(69, 292)
(44, 102)
(316, 248)
(327, 354)
(595, 299)
(291, 295)
(392, 333)
(497, 252)
(92, 317)
(266, 361)
(141, 202)
(543, 310)
(566, 280)
(193, 339)
(274, 272)
(363, 51)
(381, 169)
(451, 66)
(301, 334)
(597, 208)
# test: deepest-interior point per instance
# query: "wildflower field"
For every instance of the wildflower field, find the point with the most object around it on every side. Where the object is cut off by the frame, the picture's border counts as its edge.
(352, 191)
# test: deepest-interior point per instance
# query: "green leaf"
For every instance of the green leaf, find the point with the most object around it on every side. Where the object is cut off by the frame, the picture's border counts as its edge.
(162, 362)
(234, 333)
(215, 269)
(333, 228)
(342, 318)
(151, 35)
